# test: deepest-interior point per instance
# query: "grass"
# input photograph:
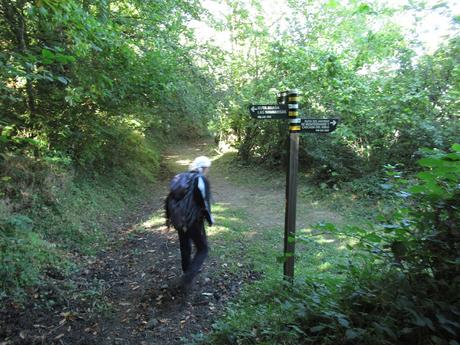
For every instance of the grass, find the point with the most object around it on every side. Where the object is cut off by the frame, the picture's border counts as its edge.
(342, 296)
(49, 213)
(264, 240)
(250, 232)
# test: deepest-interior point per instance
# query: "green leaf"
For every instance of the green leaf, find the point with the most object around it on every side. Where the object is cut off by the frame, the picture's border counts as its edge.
(317, 329)
(440, 5)
(297, 329)
(47, 54)
(343, 322)
(63, 80)
(350, 334)
(426, 176)
(453, 156)
(443, 320)
(430, 162)
(327, 226)
(372, 237)
(280, 259)
(21, 222)
(418, 189)
(456, 147)
(332, 4)
(364, 8)
(64, 58)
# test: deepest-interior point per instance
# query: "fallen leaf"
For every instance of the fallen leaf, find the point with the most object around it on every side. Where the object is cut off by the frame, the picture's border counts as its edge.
(69, 315)
(59, 336)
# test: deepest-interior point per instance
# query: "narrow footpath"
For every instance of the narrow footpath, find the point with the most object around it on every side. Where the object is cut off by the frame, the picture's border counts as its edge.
(123, 295)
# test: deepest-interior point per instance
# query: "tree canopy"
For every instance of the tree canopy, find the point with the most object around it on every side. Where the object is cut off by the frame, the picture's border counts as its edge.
(91, 91)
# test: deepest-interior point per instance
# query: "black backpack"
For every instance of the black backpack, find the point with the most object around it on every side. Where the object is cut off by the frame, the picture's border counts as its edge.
(182, 206)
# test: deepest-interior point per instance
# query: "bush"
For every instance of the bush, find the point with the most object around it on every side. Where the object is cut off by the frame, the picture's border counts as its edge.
(24, 255)
(402, 286)
(412, 293)
(49, 208)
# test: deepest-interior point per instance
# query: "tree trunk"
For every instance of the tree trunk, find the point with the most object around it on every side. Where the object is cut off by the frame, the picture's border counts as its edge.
(13, 14)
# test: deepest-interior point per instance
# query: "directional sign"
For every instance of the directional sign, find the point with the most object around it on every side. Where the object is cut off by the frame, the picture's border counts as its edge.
(318, 125)
(269, 111)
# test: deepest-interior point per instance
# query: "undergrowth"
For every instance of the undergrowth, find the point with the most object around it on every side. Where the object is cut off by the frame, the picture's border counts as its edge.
(50, 210)
(398, 281)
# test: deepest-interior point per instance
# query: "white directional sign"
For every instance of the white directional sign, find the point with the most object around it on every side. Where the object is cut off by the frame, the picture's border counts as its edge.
(269, 111)
(318, 125)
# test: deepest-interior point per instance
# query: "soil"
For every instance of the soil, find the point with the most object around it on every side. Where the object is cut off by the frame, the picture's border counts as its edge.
(126, 294)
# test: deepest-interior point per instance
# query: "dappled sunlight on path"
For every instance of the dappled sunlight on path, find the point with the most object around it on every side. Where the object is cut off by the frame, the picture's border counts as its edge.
(125, 295)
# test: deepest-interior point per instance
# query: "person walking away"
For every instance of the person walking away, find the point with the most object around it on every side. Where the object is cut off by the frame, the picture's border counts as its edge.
(187, 206)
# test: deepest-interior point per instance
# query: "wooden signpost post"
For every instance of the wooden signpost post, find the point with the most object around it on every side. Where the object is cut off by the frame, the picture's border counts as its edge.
(288, 109)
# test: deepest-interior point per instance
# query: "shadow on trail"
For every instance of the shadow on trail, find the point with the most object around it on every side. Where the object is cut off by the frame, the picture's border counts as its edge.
(142, 306)
(123, 295)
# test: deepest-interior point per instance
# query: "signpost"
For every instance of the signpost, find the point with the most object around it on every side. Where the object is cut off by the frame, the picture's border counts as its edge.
(318, 125)
(269, 111)
(288, 108)
(291, 184)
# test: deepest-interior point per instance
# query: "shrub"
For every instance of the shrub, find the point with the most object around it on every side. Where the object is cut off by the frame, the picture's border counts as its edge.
(402, 284)
(24, 254)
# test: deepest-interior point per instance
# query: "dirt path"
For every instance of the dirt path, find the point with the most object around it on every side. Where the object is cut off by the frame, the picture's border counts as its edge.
(123, 295)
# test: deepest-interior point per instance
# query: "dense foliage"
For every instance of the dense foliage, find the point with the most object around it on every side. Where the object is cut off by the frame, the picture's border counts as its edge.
(89, 91)
(83, 79)
(355, 61)
(401, 285)
(350, 60)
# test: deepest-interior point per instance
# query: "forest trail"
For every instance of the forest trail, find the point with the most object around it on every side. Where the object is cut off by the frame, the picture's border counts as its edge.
(124, 296)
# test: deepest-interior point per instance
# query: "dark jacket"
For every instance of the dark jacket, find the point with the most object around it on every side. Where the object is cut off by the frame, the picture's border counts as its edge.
(190, 205)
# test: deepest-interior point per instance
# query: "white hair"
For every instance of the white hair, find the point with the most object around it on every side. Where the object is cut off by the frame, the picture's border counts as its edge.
(199, 163)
